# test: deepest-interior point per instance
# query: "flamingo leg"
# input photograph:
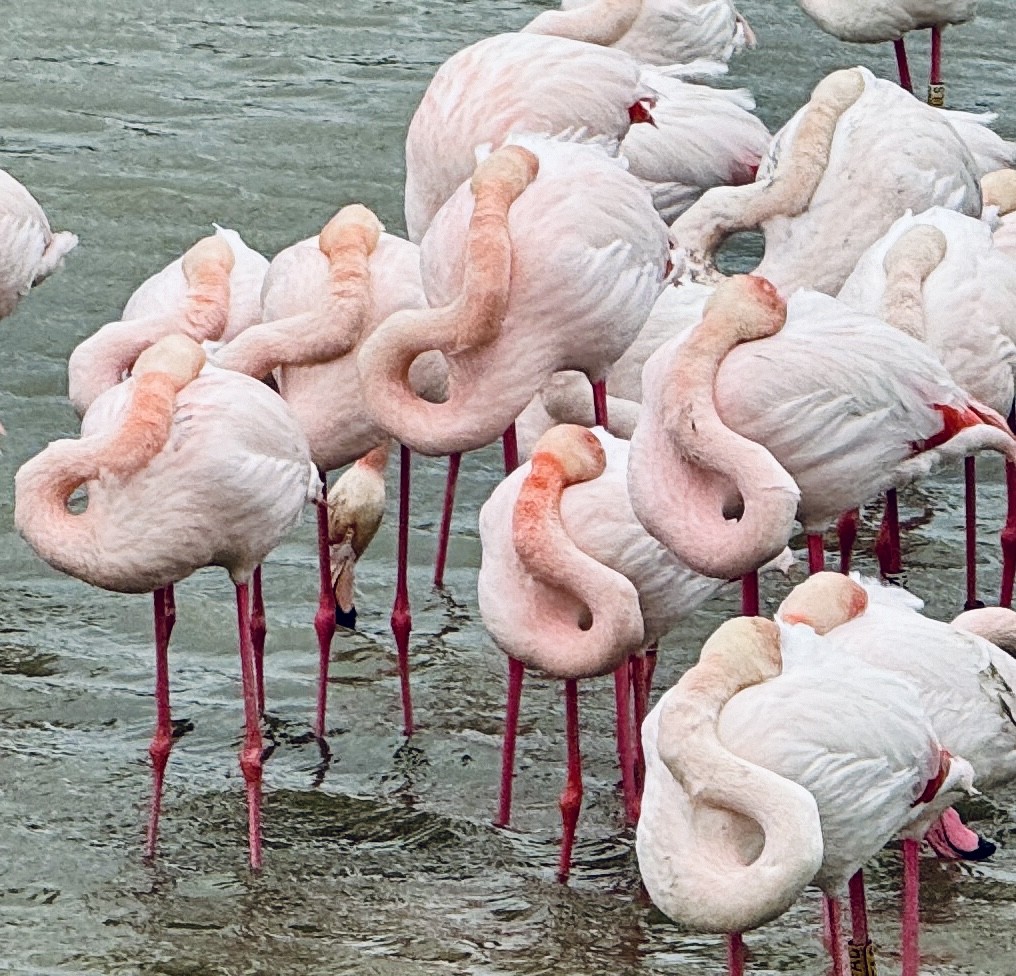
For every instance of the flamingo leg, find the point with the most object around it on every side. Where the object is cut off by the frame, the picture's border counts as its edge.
(1009, 536)
(600, 403)
(162, 739)
(846, 531)
(749, 594)
(970, 505)
(887, 544)
(910, 948)
(859, 948)
(324, 619)
(571, 797)
(516, 672)
(170, 608)
(936, 90)
(251, 753)
(816, 553)
(510, 445)
(903, 65)
(258, 630)
(735, 954)
(401, 619)
(642, 669)
(625, 743)
(454, 461)
(831, 917)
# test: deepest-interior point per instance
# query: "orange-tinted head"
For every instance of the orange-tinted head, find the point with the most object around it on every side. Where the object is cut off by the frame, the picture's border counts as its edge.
(998, 189)
(511, 168)
(351, 224)
(210, 255)
(824, 601)
(178, 356)
(576, 451)
(753, 302)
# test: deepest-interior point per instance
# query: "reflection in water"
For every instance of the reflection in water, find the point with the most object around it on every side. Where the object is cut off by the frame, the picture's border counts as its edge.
(137, 126)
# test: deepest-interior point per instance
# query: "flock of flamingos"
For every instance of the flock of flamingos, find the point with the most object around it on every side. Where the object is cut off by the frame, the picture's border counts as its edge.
(567, 190)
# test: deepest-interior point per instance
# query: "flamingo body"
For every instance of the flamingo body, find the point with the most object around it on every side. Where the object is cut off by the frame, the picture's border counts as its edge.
(29, 250)
(874, 21)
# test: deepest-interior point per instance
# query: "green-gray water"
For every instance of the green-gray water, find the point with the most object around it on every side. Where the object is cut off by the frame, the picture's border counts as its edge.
(137, 125)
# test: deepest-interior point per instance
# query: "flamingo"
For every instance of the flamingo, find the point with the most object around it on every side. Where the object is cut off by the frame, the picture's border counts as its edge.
(773, 764)
(807, 199)
(654, 31)
(184, 468)
(322, 297)
(878, 21)
(524, 276)
(29, 251)
(967, 685)
(939, 277)
(855, 407)
(559, 550)
(515, 83)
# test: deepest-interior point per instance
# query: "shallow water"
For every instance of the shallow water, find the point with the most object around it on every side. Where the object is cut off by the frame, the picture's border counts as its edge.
(136, 128)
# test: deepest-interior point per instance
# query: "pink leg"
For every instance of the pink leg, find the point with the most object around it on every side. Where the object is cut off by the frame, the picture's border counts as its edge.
(831, 910)
(170, 605)
(516, 672)
(402, 620)
(510, 444)
(846, 530)
(1009, 536)
(910, 948)
(859, 949)
(258, 630)
(936, 90)
(816, 553)
(642, 669)
(903, 65)
(625, 745)
(600, 403)
(735, 954)
(887, 544)
(454, 460)
(250, 754)
(571, 798)
(324, 619)
(970, 499)
(162, 740)
(749, 594)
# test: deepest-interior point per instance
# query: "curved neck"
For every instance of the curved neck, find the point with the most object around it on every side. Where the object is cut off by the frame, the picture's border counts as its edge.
(723, 211)
(738, 896)
(907, 265)
(44, 485)
(601, 22)
(322, 334)
(598, 623)
(469, 323)
(707, 458)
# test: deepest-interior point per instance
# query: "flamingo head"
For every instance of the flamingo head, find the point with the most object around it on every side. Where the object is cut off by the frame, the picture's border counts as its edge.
(177, 355)
(998, 189)
(351, 223)
(573, 449)
(824, 601)
(752, 302)
(746, 649)
(508, 170)
(210, 256)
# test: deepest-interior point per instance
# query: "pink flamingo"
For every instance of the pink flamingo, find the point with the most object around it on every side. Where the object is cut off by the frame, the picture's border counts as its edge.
(322, 298)
(965, 682)
(654, 31)
(808, 200)
(939, 277)
(182, 471)
(878, 21)
(557, 550)
(524, 276)
(774, 764)
(514, 83)
(29, 251)
(856, 407)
